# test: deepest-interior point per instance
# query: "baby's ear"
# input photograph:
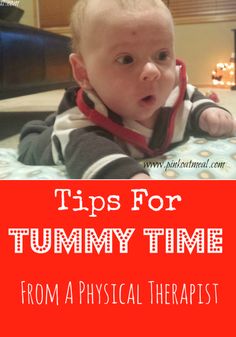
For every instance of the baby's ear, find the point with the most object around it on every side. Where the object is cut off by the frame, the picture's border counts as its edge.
(79, 71)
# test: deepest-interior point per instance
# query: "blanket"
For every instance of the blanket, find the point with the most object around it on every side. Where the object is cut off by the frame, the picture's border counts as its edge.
(199, 158)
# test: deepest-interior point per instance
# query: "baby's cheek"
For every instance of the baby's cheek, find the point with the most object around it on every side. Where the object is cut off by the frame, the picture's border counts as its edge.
(170, 82)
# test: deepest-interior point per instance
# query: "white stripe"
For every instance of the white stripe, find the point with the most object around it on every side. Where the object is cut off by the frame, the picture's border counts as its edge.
(65, 123)
(134, 152)
(98, 104)
(71, 119)
(137, 127)
(172, 97)
(200, 102)
(190, 90)
(98, 165)
(181, 122)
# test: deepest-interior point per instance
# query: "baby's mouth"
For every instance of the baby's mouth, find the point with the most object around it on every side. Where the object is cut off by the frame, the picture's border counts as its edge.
(148, 100)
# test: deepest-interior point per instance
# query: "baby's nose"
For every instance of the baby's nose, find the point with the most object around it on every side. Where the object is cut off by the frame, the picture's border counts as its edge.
(150, 72)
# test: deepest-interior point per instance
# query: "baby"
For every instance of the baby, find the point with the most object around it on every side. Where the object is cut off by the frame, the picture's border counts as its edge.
(132, 100)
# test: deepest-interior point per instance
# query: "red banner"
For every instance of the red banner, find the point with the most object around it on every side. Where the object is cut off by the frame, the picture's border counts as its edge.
(128, 258)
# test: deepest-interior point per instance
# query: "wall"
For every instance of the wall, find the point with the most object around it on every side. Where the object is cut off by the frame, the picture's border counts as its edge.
(201, 46)
(29, 18)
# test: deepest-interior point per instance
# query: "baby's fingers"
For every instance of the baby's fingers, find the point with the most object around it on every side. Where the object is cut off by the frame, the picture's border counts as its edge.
(234, 128)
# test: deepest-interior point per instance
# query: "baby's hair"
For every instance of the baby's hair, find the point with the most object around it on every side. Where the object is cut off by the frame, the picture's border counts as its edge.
(76, 21)
(78, 15)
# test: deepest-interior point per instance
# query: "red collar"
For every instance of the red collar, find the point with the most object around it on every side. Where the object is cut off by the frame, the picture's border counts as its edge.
(131, 136)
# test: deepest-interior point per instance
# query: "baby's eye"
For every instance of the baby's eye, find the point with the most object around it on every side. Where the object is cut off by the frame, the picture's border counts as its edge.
(161, 56)
(125, 59)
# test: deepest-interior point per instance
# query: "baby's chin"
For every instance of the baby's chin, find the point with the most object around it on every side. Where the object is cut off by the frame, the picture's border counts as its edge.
(148, 120)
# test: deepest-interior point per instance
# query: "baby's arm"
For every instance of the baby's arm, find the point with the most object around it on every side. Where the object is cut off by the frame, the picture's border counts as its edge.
(207, 116)
(217, 122)
(91, 153)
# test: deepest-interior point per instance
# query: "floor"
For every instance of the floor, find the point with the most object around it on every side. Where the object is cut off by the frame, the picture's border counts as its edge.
(17, 111)
(48, 101)
(44, 101)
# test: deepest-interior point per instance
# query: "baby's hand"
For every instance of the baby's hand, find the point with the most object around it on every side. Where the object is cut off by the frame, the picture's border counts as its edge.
(140, 176)
(217, 122)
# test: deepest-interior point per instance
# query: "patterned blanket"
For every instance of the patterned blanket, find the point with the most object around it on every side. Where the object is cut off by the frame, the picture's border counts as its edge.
(199, 158)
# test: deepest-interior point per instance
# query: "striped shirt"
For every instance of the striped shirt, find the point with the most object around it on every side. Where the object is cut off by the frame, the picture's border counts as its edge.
(93, 142)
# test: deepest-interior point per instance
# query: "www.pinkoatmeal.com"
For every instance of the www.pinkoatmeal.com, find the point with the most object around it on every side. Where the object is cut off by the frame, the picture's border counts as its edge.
(182, 164)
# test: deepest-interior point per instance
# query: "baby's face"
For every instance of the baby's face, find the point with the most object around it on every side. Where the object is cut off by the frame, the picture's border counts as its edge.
(129, 60)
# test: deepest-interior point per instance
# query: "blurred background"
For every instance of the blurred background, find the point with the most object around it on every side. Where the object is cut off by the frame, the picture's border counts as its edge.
(204, 34)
